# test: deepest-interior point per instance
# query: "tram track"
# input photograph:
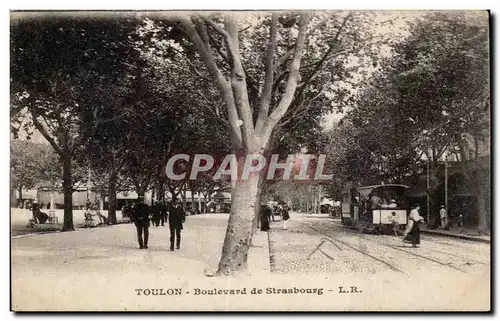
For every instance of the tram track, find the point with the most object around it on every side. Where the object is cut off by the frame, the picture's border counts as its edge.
(420, 256)
(409, 252)
(334, 239)
(438, 240)
(434, 239)
(459, 256)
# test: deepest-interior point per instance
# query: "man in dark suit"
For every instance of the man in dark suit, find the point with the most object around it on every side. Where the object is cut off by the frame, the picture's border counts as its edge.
(164, 213)
(141, 220)
(156, 212)
(176, 218)
(265, 214)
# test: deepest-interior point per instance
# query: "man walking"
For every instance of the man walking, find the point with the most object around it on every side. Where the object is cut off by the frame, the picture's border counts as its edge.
(176, 218)
(164, 213)
(265, 214)
(156, 213)
(141, 220)
(443, 213)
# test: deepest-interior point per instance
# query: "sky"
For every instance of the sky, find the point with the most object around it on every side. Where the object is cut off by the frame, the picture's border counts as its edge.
(397, 30)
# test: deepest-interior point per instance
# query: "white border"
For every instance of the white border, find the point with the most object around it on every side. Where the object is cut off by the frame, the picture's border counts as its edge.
(191, 5)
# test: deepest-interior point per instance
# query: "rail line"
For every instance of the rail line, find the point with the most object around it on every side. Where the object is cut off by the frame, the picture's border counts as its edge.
(438, 240)
(409, 252)
(333, 239)
(459, 256)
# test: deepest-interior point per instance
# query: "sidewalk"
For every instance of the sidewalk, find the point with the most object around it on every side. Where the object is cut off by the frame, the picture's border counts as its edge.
(107, 259)
(19, 219)
(467, 234)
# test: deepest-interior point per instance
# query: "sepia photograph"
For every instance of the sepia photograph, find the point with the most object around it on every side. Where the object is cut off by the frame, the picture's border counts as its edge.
(265, 160)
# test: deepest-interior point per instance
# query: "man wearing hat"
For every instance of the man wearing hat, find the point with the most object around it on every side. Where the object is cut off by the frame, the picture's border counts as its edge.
(392, 204)
(141, 215)
(175, 220)
(265, 215)
(443, 213)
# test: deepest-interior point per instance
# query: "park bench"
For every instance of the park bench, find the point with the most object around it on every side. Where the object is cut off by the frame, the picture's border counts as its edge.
(42, 218)
(89, 219)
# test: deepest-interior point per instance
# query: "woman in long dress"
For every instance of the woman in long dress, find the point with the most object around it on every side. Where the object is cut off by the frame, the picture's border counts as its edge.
(412, 232)
(265, 213)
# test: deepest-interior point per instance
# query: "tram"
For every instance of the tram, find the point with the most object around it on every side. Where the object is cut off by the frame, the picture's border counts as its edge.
(376, 208)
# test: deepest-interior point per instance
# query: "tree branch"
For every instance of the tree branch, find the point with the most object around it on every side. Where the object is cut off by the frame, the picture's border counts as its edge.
(46, 135)
(193, 67)
(281, 60)
(215, 26)
(203, 33)
(296, 115)
(319, 64)
(268, 84)
(292, 79)
(250, 80)
(238, 80)
(217, 75)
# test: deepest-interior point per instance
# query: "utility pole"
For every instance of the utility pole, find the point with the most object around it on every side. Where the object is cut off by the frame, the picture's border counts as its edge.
(320, 198)
(428, 191)
(88, 185)
(446, 181)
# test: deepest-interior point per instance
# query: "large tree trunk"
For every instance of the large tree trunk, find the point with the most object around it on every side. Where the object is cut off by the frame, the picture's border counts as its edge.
(68, 195)
(141, 191)
(20, 202)
(243, 134)
(239, 228)
(161, 190)
(258, 198)
(101, 202)
(183, 197)
(193, 204)
(200, 204)
(112, 199)
(478, 189)
(482, 206)
(435, 199)
(52, 206)
(206, 199)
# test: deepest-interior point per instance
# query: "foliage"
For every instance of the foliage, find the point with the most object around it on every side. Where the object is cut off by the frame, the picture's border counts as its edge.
(30, 164)
(433, 86)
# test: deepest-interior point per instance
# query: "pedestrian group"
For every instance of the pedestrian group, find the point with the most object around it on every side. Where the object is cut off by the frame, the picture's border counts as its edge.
(267, 213)
(143, 215)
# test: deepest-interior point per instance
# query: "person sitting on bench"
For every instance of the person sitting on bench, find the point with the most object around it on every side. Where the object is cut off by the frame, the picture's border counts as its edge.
(39, 216)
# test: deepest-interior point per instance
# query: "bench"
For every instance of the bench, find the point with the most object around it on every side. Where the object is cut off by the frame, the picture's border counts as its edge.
(89, 219)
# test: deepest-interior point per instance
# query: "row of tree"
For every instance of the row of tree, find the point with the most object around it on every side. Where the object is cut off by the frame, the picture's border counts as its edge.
(422, 104)
(122, 92)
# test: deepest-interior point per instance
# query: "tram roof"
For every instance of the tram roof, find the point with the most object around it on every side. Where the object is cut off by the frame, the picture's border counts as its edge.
(384, 185)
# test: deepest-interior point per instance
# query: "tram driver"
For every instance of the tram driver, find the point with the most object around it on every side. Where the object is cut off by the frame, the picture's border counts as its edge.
(392, 204)
(376, 201)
